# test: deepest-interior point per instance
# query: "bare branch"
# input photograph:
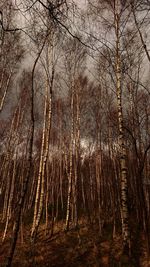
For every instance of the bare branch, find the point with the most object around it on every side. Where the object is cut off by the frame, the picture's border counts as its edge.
(139, 31)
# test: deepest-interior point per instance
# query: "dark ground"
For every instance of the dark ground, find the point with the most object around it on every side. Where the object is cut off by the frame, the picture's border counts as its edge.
(76, 248)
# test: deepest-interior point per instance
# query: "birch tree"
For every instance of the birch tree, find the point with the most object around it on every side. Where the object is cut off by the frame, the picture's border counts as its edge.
(44, 150)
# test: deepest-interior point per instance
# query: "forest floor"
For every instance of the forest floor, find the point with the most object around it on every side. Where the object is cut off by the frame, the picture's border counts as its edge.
(82, 247)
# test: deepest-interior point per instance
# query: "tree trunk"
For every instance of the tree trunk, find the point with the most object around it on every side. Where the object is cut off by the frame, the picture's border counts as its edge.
(123, 156)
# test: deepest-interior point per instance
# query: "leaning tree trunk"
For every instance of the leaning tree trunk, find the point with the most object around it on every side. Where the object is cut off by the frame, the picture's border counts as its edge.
(40, 173)
(26, 180)
(44, 159)
(44, 155)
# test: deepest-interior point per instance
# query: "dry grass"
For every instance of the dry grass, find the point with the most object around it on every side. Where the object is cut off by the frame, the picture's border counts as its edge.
(76, 248)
